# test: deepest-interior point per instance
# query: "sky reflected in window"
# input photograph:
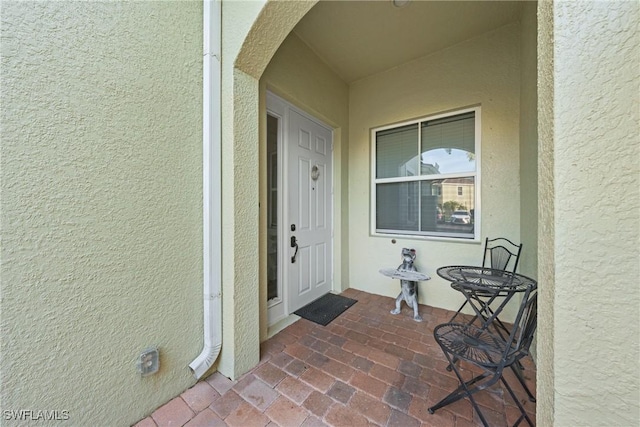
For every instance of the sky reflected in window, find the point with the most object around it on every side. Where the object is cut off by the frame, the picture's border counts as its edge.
(448, 160)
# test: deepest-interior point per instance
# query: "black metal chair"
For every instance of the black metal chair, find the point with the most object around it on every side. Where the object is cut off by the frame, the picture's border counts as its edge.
(499, 254)
(489, 351)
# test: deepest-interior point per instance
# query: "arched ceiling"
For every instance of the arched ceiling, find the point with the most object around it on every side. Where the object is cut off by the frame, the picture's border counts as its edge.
(361, 38)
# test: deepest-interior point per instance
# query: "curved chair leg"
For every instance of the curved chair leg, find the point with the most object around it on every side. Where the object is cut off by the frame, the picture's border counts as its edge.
(459, 393)
(459, 311)
(463, 391)
(523, 412)
(518, 373)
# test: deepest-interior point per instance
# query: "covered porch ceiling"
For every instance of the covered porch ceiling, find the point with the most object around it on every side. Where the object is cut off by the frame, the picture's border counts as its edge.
(358, 39)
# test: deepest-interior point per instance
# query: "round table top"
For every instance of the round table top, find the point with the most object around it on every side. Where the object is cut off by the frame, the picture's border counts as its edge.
(412, 276)
(483, 278)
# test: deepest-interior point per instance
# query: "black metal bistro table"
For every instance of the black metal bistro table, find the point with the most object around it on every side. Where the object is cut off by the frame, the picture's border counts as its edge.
(483, 286)
(488, 291)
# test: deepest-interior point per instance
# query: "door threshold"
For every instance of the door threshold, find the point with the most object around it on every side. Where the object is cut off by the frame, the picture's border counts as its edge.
(281, 324)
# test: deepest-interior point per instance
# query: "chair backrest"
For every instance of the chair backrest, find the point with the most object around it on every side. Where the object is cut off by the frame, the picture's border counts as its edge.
(501, 254)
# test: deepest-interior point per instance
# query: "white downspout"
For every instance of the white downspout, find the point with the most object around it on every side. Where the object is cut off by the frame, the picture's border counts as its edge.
(211, 190)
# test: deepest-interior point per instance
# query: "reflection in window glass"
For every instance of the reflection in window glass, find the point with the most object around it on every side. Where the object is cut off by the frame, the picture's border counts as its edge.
(272, 207)
(448, 145)
(431, 206)
(425, 175)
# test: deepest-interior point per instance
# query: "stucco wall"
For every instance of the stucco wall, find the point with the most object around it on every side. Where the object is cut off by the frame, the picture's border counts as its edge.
(597, 213)
(546, 234)
(484, 71)
(528, 264)
(297, 74)
(239, 294)
(101, 205)
(529, 141)
(252, 31)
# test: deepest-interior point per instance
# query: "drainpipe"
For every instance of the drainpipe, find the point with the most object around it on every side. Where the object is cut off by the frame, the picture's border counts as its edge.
(211, 190)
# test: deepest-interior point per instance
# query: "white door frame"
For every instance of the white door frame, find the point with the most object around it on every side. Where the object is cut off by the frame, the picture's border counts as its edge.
(280, 308)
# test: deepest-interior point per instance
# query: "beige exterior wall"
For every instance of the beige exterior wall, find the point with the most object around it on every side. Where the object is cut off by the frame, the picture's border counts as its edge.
(297, 75)
(546, 235)
(483, 71)
(252, 32)
(593, 150)
(101, 205)
(528, 264)
(101, 195)
(240, 338)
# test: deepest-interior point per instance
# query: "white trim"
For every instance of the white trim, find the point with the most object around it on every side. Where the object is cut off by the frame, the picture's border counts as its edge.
(281, 108)
(276, 310)
(211, 190)
(429, 118)
(429, 235)
(418, 178)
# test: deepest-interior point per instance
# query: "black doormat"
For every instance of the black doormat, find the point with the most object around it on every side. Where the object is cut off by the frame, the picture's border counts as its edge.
(325, 309)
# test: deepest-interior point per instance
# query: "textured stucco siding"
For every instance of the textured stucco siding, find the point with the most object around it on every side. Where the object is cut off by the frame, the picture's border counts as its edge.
(529, 141)
(546, 227)
(597, 213)
(101, 205)
(482, 71)
(252, 32)
(240, 338)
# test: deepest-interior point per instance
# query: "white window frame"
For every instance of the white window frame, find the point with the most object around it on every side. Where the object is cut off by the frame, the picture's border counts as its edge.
(429, 235)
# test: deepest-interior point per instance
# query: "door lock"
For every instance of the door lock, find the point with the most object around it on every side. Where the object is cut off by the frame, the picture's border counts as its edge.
(294, 244)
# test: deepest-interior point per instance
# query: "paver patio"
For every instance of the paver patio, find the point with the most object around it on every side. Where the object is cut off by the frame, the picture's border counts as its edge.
(366, 368)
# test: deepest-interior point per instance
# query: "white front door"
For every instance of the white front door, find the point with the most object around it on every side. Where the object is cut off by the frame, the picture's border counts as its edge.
(309, 210)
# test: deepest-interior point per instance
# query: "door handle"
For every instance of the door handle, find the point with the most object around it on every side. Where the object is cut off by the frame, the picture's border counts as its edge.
(294, 244)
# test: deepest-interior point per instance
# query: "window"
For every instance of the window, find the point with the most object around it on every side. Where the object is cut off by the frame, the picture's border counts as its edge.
(423, 172)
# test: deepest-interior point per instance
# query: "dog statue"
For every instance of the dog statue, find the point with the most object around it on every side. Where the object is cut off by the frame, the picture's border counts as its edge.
(409, 289)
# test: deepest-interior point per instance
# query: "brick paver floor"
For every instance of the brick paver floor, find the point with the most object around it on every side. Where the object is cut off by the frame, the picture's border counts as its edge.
(366, 368)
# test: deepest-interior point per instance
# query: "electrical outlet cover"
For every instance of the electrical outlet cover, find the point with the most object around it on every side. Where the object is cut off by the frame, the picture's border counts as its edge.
(148, 362)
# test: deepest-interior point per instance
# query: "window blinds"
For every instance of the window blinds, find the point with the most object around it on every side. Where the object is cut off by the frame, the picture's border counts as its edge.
(397, 152)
